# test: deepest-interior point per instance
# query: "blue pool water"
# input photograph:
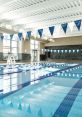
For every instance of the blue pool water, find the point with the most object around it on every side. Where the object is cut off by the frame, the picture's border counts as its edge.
(41, 90)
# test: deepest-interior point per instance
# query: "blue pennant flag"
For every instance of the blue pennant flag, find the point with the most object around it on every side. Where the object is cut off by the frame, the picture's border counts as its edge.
(64, 27)
(20, 106)
(40, 31)
(78, 24)
(28, 34)
(29, 109)
(11, 104)
(51, 29)
(40, 114)
(11, 36)
(20, 35)
(2, 37)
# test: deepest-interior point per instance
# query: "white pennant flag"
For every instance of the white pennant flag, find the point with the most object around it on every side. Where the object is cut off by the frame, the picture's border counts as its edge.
(71, 25)
(24, 35)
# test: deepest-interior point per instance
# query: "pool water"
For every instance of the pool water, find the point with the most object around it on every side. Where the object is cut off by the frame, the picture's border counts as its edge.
(41, 90)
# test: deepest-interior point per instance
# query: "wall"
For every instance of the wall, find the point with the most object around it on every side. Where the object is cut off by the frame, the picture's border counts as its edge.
(42, 46)
(42, 54)
(73, 52)
(1, 49)
(65, 44)
(26, 46)
(24, 50)
(66, 41)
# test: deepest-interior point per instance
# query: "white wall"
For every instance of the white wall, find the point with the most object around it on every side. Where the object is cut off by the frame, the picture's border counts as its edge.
(66, 41)
(26, 46)
(1, 46)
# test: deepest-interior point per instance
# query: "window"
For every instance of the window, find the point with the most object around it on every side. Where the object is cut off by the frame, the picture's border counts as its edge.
(34, 50)
(6, 44)
(34, 44)
(9, 82)
(10, 45)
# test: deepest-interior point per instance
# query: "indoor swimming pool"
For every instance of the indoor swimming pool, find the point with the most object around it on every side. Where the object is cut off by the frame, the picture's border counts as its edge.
(41, 90)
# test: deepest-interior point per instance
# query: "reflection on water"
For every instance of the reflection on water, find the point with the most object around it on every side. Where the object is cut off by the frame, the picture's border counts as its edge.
(44, 98)
(12, 79)
(12, 82)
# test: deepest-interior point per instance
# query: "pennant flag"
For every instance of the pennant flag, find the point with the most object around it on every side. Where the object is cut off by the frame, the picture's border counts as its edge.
(20, 107)
(64, 27)
(11, 36)
(78, 24)
(28, 34)
(40, 31)
(2, 37)
(24, 35)
(20, 35)
(40, 114)
(71, 25)
(51, 29)
(29, 109)
(11, 104)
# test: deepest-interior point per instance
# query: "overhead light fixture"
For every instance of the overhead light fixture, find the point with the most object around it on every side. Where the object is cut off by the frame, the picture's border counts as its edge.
(2, 25)
(15, 29)
(8, 26)
(46, 38)
(51, 40)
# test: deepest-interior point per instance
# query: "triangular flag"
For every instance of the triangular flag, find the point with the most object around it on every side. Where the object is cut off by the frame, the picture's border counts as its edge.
(29, 109)
(11, 36)
(40, 31)
(28, 34)
(2, 37)
(24, 35)
(71, 25)
(40, 114)
(64, 27)
(11, 104)
(78, 24)
(20, 106)
(20, 35)
(51, 29)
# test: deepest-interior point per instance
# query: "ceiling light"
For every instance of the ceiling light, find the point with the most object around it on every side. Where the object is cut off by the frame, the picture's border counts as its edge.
(8, 26)
(51, 40)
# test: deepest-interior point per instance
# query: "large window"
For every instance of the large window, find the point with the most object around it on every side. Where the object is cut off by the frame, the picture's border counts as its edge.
(10, 45)
(14, 46)
(34, 50)
(34, 45)
(6, 43)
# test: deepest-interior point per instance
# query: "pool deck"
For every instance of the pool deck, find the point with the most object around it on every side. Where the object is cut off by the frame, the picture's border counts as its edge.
(49, 60)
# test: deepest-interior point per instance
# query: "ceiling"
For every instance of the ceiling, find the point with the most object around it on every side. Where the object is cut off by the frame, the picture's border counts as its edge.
(35, 14)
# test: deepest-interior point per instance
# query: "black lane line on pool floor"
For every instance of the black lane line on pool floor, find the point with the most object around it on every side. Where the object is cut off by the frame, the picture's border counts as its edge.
(66, 105)
(40, 78)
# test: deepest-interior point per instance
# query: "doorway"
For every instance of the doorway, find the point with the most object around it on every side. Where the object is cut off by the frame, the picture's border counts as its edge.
(35, 55)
